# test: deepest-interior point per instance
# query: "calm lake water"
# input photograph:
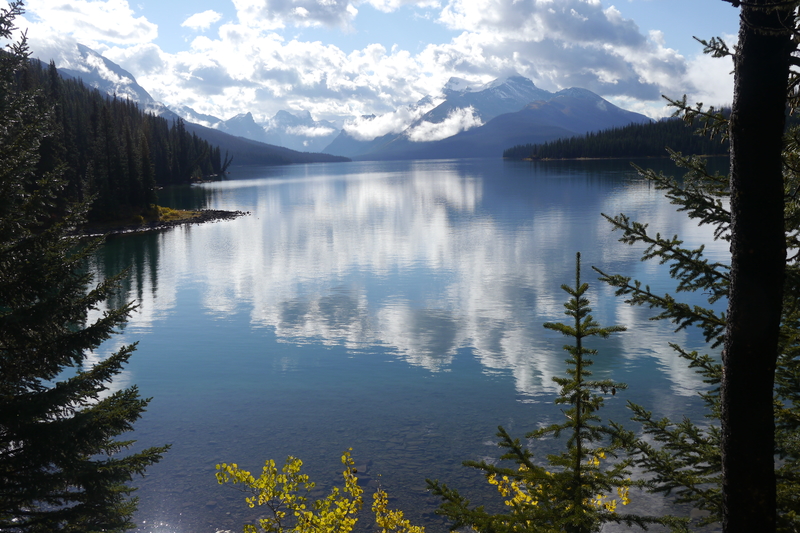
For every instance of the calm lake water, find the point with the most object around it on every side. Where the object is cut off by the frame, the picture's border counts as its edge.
(395, 308)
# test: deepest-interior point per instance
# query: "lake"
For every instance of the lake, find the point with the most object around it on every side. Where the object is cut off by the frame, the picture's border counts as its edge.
(393, 307)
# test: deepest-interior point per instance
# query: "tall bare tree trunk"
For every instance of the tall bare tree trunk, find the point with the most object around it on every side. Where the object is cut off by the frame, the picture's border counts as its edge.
(758, 251)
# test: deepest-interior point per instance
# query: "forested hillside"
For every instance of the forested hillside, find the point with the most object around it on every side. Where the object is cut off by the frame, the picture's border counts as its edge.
(112, 151)
(633, 140)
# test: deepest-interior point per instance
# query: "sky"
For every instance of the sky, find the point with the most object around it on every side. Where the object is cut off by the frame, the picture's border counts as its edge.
(340, 59)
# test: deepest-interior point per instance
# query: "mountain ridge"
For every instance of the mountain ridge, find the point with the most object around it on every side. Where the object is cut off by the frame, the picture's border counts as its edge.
(511, 110)
(465, 120)
(102, 74)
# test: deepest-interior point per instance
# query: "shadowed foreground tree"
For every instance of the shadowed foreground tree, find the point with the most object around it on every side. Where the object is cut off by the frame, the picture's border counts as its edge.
(60, 463)
(758, 258)
(730, 469)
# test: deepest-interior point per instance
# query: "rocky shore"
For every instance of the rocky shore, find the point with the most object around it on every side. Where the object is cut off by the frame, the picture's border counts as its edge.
(195, 217)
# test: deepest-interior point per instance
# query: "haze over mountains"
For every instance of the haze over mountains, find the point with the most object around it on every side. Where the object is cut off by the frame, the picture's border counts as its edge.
(465, 120)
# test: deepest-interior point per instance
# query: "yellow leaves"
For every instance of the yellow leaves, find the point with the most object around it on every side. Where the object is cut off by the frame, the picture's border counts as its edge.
(623, 495)
(514, 490)
(543, 493)
(610, 504)
(389, 520)
(594, 460)
(286, 494)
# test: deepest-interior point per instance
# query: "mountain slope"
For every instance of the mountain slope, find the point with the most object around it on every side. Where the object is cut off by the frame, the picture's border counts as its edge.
(483, 121)
(106, 76)
(299, 131)
(96, 71)
(569, 112)
(250, 152)
(500, 96)
(479, 105)
(243, 125)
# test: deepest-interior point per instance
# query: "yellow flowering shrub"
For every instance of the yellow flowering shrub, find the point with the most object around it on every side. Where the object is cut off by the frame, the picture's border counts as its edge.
(286, 494)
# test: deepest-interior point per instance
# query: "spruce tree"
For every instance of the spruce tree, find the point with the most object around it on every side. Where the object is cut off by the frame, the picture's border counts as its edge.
(61, 467)
(582, 487)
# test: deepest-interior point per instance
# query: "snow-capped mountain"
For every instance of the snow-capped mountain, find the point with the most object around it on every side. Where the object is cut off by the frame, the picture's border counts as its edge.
(481, 121)
(299, 131)
(242, 125)
(463, 120)
(107, 77)
(190, 115)
(96, 71)
(295, 131)
(503, 95)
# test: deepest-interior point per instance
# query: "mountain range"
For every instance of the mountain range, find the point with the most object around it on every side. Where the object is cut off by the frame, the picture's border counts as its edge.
(464, 120)
(98, 72)
(503, 113)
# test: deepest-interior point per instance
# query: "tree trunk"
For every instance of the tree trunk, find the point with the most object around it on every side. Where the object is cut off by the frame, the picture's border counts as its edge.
(757, 267)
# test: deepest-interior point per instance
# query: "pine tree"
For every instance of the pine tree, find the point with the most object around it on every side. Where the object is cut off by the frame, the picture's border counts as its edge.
(60, 462)
(582, 487)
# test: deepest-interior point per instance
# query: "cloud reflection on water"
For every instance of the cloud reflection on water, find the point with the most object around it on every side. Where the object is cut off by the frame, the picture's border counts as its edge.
(426, 262)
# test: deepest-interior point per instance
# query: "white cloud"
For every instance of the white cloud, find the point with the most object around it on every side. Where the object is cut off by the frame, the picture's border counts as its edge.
(89, 22)
(457, 120)
(270, 14)
(712, 78)
(202, 21)
(570, 43)
(310, 131)
(251, 65)
(388, 6)
(370, 127)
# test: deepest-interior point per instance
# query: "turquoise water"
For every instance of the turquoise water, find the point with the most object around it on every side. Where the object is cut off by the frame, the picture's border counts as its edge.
(395, 308)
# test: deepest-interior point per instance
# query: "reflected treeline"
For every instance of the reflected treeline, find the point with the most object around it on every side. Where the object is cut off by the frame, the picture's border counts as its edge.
(136, 254)
(139, 254)
(184, 197)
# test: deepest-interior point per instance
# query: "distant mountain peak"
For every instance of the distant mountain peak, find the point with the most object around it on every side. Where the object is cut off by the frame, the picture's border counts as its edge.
(190, 115)
(511, 79)
(290, 118)
(577, 92)
(102, 74)
(458, 85)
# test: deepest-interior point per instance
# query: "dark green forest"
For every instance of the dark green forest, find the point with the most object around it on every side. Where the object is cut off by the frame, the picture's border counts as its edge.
(109, 150)
(633, 140)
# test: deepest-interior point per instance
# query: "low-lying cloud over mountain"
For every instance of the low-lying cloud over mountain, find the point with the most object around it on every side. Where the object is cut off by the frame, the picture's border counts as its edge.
(482, 121)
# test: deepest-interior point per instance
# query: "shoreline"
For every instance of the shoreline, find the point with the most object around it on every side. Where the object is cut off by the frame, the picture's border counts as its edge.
(199, 216)
(704, 156)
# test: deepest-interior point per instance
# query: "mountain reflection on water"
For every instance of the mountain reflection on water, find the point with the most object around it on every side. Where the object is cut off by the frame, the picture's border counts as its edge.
(422, 262)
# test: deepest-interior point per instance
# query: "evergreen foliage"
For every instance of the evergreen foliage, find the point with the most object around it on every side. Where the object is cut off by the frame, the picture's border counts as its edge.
(633, 140)
(112, 151)
(684, 457)
(60, 462)
(576, 492)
